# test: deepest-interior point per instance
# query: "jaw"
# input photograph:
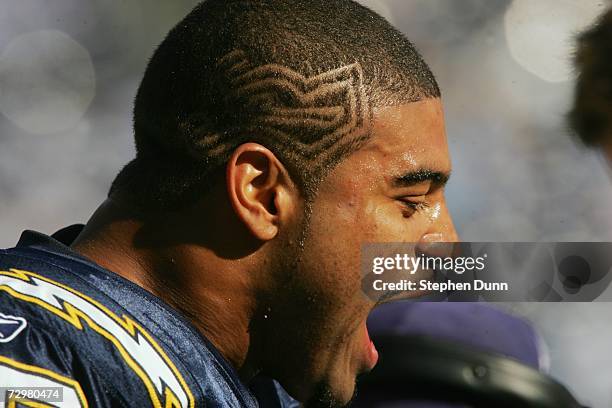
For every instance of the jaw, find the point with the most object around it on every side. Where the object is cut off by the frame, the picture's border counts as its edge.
(330, 378)
(332, 368)
(324, 397)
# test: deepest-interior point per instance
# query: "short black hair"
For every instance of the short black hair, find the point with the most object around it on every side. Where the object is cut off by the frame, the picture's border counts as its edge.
(591, 115)
(298, 76)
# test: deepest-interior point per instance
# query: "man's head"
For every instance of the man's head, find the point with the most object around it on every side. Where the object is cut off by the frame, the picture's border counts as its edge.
(591, 116)
(279, 136)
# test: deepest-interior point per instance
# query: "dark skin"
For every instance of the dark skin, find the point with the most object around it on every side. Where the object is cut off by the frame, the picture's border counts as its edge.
(275, 292)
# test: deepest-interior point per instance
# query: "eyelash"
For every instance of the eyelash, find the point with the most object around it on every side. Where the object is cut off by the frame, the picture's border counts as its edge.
(414, 207)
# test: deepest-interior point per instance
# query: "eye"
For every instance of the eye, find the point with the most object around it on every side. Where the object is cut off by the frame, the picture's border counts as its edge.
(411, 207)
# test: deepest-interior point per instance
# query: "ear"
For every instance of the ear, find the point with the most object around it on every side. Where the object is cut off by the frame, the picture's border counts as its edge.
(260, 190)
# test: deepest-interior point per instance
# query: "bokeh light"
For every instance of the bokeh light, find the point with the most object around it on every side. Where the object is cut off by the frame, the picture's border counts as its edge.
(540, 34)
(47, 81)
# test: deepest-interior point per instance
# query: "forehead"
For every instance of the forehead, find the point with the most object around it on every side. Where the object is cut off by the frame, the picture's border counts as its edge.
(407, 138)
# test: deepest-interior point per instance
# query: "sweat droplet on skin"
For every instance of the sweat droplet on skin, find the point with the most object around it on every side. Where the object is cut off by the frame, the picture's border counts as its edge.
(435, 211)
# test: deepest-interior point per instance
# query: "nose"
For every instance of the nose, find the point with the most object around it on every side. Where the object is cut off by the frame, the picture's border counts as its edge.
(449, 231)
(442, 228)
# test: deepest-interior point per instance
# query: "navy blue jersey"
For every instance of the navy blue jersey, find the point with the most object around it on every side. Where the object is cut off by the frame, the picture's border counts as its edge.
(67, 323)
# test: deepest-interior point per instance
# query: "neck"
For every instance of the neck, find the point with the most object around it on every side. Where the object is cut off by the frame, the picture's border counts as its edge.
(217, 295)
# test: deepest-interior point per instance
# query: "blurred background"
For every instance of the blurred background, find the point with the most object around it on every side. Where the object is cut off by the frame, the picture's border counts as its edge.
(69, 70)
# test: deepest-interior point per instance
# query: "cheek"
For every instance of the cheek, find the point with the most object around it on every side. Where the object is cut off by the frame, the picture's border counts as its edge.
(333, 250)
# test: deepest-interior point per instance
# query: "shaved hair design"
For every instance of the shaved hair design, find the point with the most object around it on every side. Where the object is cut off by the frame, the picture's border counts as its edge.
(300, 77)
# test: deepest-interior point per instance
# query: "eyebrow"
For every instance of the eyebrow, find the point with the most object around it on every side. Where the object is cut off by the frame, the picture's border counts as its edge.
(421, 176)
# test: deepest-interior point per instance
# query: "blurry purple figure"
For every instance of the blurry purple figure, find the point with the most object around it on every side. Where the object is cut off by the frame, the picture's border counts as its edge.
(457, 355)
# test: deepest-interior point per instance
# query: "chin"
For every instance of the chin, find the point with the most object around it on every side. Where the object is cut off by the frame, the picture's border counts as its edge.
(323, 394)
(329, 391)
(327, 396)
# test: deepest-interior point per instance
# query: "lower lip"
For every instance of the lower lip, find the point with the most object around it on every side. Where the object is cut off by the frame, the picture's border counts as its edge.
(371, 352)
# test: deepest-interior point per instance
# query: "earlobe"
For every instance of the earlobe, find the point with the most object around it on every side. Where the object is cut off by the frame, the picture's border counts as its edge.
(255, 178)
